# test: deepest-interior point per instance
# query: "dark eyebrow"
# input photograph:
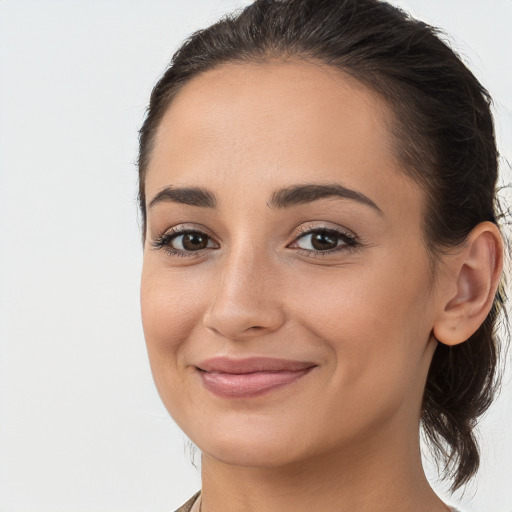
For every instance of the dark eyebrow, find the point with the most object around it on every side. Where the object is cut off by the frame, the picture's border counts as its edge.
(301, 194)
(282, 198)
(194, 196)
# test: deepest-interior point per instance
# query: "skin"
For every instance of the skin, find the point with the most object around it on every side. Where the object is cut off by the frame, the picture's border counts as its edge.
(345, 436)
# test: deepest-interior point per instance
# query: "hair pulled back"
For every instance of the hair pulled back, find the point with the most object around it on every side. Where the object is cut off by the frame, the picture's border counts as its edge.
(444, 137)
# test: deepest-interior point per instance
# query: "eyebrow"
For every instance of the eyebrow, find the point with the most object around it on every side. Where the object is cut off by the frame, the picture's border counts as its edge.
(282, 198)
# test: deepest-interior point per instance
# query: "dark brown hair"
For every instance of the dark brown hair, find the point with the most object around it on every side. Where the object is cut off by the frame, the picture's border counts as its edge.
(444, 137)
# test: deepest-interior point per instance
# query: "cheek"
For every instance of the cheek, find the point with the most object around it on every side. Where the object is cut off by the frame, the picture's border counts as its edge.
(379, 296)
(169, 311)
(375, 328)
(375, 318)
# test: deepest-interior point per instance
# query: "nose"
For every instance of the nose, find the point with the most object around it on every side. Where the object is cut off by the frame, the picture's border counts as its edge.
(246, 301)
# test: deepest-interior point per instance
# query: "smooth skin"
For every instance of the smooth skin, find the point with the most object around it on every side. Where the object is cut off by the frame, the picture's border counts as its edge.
(345, 436)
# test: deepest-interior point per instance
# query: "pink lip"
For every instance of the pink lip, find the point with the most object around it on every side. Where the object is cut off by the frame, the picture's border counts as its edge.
(245, 378)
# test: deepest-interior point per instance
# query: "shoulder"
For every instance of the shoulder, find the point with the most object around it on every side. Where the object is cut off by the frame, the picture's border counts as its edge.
(187, 507)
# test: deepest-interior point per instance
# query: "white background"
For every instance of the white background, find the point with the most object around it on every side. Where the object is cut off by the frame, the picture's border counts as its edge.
(81, 426)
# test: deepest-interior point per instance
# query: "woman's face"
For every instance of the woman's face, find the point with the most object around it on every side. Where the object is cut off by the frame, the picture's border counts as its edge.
(307, 250)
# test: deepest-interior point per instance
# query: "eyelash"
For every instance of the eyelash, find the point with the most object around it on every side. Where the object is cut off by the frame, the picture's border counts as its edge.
(350, 241)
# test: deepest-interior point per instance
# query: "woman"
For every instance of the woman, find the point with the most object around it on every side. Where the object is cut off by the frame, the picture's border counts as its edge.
(322, 256)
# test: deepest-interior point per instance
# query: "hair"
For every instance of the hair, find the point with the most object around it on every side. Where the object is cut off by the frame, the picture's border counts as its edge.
(444, 137)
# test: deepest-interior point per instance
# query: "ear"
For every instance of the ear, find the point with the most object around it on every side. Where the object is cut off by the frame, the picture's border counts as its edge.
(472, 278)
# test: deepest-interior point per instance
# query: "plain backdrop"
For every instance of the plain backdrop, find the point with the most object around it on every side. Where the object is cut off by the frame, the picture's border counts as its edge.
(81, 426)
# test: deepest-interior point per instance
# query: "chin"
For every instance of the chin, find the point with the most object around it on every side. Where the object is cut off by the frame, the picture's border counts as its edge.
(250, 451)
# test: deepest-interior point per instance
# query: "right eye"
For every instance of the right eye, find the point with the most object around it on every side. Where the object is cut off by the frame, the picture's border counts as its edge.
(183, 242)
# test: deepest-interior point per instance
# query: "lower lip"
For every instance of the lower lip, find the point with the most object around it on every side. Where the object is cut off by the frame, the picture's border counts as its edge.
(248, 385)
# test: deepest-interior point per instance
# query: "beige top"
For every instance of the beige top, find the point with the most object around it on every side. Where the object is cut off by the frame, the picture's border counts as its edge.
(189, 505)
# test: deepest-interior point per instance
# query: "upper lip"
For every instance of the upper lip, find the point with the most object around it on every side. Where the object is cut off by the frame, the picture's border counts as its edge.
(252, 365)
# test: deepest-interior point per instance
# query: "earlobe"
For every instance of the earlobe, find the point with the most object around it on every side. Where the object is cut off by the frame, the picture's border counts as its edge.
(474, 273)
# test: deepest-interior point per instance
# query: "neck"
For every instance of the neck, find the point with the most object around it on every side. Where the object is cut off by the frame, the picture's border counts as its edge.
(382, 474)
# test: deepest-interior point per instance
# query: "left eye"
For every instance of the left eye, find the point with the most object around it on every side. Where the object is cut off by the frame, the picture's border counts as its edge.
(324, 240)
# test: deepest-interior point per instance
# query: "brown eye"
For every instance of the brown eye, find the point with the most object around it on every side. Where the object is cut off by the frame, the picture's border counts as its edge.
(323, 240)
(194, 241)
(189, 241)
(184, 242)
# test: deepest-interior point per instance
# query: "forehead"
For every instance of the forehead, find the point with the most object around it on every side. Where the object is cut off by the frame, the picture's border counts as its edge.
(255, 127)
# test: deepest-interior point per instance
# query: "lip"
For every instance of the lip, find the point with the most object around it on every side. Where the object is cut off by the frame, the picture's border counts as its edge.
(250, 377)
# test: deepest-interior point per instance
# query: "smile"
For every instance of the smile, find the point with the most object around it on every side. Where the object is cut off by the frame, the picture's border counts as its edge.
(247, 378)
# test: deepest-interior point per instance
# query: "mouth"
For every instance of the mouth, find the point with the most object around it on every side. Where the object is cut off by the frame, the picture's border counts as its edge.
(252, 377)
